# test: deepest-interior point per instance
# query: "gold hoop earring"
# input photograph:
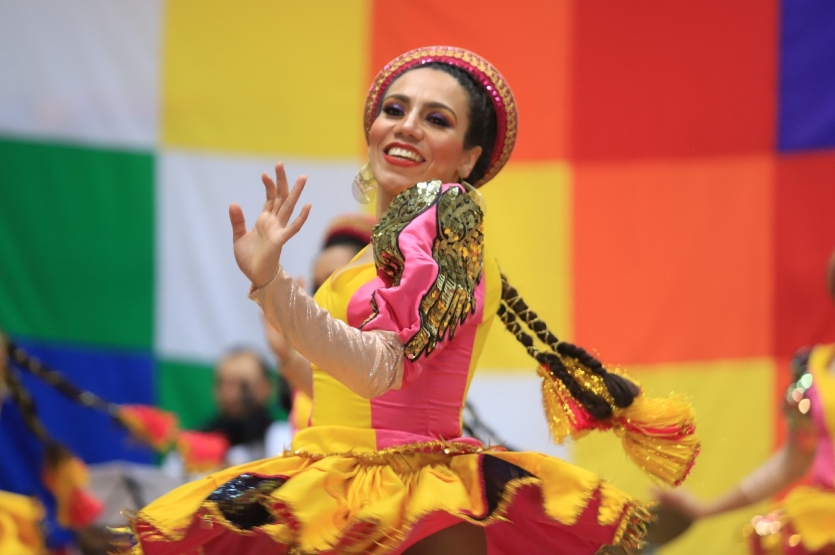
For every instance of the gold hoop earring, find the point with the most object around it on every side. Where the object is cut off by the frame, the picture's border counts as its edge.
(364, 185)
(475, 194)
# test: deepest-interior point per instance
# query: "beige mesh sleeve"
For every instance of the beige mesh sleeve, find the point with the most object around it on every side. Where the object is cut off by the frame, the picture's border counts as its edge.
(369, 363)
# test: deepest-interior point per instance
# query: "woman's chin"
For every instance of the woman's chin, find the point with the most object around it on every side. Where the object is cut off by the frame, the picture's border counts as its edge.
(397, 184)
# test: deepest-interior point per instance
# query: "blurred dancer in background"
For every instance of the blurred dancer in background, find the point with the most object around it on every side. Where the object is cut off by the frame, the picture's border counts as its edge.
(803, 523)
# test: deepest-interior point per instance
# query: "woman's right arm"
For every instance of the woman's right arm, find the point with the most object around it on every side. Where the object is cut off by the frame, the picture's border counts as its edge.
(369, 363)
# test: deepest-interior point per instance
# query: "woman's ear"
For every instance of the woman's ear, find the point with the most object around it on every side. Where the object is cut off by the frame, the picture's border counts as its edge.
(468, 162)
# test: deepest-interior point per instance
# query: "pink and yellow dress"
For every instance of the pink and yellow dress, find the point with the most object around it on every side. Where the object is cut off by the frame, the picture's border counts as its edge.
(804, 522)
(377, 475)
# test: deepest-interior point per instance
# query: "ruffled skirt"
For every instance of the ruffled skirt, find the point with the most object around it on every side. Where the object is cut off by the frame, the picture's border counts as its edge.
(385, 501)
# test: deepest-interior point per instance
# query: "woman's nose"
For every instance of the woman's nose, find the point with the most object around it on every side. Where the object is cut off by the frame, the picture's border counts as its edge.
(410, 125)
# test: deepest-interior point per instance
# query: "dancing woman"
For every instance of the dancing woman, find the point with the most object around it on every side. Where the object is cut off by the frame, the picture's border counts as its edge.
(393, 339)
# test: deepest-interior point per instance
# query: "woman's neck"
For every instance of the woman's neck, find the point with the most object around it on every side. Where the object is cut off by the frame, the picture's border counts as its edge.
(383, 202)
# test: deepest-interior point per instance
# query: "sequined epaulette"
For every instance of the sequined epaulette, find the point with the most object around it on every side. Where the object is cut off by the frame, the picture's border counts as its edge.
(405, 207)
(457, 249)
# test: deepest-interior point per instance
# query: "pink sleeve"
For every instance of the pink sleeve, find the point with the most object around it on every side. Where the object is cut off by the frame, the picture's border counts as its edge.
(432, 291)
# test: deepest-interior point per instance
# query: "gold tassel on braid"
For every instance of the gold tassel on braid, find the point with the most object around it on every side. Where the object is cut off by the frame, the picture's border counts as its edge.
(580, 395)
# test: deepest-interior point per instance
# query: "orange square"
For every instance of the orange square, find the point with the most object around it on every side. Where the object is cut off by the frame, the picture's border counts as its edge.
(683, 79)
(529, 47)
(672, 261)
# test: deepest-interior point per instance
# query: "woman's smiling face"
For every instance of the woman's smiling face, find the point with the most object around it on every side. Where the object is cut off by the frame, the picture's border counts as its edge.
(419, 134)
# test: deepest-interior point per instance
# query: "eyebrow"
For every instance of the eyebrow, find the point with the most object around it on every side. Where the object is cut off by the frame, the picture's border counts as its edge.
(408, 100)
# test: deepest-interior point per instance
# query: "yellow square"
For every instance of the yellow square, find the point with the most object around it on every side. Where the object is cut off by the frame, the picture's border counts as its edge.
(265, 77)
(528, 228)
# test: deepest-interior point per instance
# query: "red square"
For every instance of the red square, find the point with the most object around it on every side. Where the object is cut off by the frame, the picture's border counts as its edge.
(673, 79)
(804, 239)
(672, 261)
(529, 47)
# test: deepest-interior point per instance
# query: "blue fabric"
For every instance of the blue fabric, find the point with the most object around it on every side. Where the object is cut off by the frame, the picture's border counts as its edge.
(93, 436)
(807, 75)
(120, 377)
(20, 470)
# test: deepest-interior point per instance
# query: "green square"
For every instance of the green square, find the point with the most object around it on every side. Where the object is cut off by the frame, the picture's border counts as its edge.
(77, 244)
(186, 389)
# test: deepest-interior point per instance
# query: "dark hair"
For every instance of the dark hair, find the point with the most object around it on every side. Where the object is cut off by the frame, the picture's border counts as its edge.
(243, 350)
(345, 240)
(482, 115)
(621, 390)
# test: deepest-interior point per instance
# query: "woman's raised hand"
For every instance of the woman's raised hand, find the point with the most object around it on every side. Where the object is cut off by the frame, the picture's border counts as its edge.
(258, 250)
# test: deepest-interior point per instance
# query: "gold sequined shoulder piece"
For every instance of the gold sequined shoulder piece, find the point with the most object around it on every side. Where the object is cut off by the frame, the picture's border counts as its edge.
(405, 207)
(459, 252)
(457, 249)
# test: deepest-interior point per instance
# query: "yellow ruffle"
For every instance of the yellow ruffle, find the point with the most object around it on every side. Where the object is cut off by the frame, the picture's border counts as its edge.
(811, 512)
(377, 497)
(20, 519)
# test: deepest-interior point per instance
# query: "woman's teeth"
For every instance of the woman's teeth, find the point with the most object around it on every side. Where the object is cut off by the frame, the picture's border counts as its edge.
(405, 154)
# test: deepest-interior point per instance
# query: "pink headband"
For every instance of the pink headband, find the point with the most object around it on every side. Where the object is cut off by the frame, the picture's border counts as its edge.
(485, 75)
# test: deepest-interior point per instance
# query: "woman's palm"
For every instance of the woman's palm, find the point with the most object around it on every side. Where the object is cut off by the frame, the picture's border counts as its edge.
(258, 250)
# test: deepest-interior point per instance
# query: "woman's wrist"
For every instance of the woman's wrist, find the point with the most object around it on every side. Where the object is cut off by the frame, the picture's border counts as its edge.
(253, 287)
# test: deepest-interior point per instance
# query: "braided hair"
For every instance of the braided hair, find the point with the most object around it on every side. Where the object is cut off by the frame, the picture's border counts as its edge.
(513, 309)
(55, 453)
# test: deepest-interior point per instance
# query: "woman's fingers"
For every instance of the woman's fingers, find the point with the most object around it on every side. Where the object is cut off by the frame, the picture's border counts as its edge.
(285, 209)
(270, 189)
(297, 224)
(281, 181)
(236, 216)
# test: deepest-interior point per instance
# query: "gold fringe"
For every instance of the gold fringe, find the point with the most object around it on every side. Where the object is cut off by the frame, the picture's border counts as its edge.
(558, 411)
(657, 434)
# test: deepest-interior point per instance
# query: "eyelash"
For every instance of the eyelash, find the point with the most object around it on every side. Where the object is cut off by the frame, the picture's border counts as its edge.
(434, 119)
(393, 110)
(438, 120)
